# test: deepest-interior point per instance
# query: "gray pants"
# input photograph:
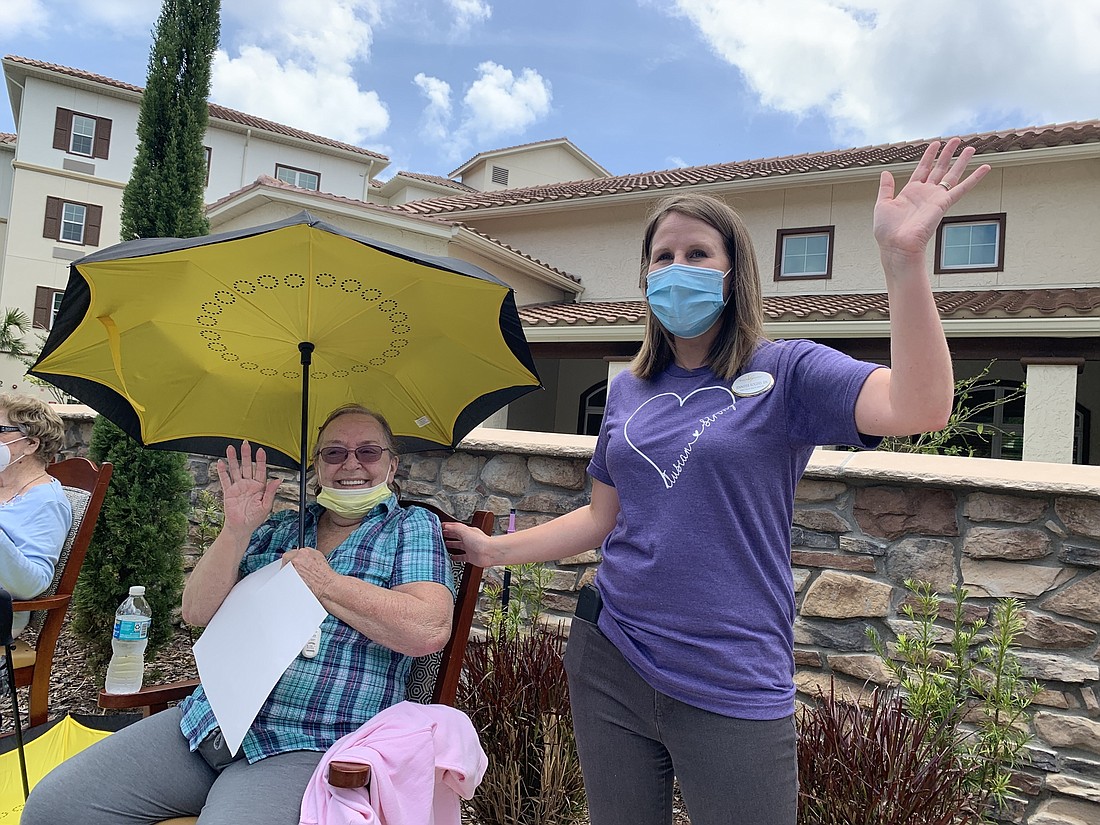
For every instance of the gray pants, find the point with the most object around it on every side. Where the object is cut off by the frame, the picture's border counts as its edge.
(146, 773)
(633, 740)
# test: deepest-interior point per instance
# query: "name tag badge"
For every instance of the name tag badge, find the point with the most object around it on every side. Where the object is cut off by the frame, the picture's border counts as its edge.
(752, 383)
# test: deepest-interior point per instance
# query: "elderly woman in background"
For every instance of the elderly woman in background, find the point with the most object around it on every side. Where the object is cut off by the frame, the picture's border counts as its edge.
(35, 514)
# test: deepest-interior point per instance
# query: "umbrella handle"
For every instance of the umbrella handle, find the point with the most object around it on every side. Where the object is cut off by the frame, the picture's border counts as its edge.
(18, 727)
(306, 348)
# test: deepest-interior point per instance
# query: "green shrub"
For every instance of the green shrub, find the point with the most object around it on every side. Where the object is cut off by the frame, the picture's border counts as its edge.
(972, 696)
(138, 539)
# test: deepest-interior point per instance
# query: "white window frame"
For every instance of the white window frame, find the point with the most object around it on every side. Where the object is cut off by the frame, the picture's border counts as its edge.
(298, 177)
(76, 134)
(55, 306)
(782, 255)
(70, 220)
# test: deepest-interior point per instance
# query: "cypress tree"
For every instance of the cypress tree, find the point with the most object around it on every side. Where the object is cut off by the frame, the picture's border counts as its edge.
(142, 528)
(164, 198)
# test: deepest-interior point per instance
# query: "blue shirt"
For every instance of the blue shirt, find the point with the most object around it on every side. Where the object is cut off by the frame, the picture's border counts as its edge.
(319, 700)
(33, 527)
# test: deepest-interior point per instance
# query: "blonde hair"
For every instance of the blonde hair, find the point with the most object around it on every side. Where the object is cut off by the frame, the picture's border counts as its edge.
(36, 419)
(742, 319)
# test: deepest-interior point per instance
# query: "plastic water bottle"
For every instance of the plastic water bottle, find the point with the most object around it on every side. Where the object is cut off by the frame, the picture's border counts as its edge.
(130, 636)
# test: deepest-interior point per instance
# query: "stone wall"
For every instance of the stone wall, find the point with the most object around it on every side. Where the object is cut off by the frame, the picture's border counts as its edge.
(864, 522)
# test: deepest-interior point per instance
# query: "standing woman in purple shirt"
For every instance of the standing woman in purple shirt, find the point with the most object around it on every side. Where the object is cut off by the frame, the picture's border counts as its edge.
(681, 660)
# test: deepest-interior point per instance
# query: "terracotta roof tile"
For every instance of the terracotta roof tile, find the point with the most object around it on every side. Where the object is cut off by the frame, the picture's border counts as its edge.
(1063, 134)
(438, 180)
(990, 303)
(216, 111)
(5, 137)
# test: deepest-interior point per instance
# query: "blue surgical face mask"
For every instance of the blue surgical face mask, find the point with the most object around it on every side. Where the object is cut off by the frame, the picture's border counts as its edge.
(687, 300)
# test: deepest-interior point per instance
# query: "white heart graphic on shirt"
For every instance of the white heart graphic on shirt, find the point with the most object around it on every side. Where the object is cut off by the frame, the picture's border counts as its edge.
(655, 406)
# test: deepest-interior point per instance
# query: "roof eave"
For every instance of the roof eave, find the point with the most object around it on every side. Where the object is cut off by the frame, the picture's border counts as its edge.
(540, 272)
(963, 328)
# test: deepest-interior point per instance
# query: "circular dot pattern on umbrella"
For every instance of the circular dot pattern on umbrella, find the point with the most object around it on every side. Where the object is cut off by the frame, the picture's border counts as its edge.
(213, 310)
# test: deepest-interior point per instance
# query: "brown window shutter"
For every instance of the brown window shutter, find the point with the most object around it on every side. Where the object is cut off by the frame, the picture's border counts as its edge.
(102, 142)
(51, 228)
(93, 218)
(62, 129)
(43, 304)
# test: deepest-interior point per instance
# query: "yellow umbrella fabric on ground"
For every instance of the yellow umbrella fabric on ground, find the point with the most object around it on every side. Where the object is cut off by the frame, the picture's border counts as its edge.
(66, 738)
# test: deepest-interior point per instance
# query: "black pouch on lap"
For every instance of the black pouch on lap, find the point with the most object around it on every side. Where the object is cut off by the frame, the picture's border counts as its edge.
(589, 604)
(216, 753)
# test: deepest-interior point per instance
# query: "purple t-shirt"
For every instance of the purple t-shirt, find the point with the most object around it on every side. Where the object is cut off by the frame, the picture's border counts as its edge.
(696, 574)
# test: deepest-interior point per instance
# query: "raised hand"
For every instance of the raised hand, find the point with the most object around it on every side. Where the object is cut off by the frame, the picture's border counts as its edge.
(247, 494)
(905, 224)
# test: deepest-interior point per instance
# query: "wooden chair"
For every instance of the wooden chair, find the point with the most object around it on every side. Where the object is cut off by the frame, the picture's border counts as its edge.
(433, 679)
(85, 485)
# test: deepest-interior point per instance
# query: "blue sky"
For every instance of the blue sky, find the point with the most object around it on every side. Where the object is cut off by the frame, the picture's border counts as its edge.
(639, 85)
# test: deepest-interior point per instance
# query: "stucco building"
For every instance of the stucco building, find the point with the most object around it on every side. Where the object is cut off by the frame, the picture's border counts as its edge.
(1014, 267)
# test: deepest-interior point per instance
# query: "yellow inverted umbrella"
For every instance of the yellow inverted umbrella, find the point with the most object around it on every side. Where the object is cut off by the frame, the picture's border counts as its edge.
(64, 738)
(193, 344)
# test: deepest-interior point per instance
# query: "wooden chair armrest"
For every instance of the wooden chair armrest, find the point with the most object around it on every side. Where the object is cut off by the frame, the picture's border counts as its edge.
(151, 699)
(43, 603)
(348, 775)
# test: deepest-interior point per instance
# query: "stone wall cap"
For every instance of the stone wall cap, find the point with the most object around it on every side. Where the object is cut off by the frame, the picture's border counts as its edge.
(957, 471)
(526, 442)
(78, 412)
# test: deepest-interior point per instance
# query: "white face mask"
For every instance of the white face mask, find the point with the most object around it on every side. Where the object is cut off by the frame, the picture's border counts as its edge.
(5, 453)
(354, 503)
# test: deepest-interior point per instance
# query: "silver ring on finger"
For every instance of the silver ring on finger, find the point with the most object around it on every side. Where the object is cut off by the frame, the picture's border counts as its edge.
(946, 186)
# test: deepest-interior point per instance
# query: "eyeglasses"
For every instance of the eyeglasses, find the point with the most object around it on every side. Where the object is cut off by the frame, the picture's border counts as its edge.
(367, 454)
(7, 428)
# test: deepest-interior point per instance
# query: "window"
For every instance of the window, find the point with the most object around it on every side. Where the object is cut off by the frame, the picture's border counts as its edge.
(804, 253)
(500, 176)
(301, 178)
(973, 243)
(72, 222)
(207, 151)
(81, 134)
(593, 401)
(996, 429)
(46, 303)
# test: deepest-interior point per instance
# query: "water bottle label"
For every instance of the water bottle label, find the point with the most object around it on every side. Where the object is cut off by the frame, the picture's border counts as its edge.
(132, 630)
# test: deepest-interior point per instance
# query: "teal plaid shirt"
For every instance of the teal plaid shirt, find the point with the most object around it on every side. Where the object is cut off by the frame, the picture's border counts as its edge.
(319, 700)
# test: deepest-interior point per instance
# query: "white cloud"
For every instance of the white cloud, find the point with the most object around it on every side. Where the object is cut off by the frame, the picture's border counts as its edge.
(469, 12)
(882, 71)
(437, 114)
(24, 16)
(295, 65)
(125, 16)
(498, 103)
(319, 100)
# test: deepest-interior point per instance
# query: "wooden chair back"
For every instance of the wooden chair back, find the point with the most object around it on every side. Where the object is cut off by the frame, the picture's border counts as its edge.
(85, 484)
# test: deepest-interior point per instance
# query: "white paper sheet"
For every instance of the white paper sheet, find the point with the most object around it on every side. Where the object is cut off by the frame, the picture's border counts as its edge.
(261, 626)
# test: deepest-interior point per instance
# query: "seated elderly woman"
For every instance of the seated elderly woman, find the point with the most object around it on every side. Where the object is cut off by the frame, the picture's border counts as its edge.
(35, 514)
(383, 575)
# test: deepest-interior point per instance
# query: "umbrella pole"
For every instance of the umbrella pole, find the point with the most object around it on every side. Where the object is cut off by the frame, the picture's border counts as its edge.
(306, 348)
(15, 714)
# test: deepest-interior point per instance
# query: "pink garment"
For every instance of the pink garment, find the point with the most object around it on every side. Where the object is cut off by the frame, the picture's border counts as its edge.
(422, 758)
